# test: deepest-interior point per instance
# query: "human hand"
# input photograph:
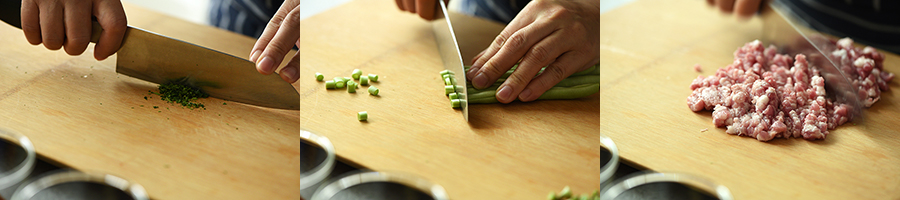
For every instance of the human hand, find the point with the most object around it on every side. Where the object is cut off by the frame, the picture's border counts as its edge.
(425, 8)
(743, 8)
(562, 35)
(280, 35)
(67, 23)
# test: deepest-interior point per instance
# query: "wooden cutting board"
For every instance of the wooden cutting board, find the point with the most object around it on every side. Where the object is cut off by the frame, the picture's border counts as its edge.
(648, 50)
(511, 151)
(79, 113)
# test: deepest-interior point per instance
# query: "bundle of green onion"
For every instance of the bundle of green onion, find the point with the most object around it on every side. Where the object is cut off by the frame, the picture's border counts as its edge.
(577, 85)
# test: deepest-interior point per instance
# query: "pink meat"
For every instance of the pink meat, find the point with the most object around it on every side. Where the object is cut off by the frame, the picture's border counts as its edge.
(767, 95)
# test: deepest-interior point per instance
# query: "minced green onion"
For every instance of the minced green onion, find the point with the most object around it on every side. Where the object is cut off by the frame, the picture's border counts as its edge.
(362, 116)
(455, 103)
(447, 81)
(339, 79)
(347, 79)
(364, 80)
(446, 71)
(565, 193)
(454, 95)
(449, 89)
(329, 85)
(339, 84)
(373, 77)
(180, 91)
(319, 76)
(373, 90)
(351, 87)
(356, 73)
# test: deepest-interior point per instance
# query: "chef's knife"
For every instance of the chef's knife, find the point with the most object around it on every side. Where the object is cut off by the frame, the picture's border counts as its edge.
(450, 55)
(792, 35)
(159, 59)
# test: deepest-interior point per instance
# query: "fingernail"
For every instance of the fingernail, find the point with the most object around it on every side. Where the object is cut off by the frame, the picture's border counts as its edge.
(289, 74)
(266, 65)
(504, 93)
(525, 95)
(480, 81)
(255, 55)
(472, 70)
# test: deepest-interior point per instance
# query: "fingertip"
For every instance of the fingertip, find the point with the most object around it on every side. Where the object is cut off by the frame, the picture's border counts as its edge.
(255, 55)
(525, 96)
(266, 65)
(480, 81)
(289, 74)
(505, 94)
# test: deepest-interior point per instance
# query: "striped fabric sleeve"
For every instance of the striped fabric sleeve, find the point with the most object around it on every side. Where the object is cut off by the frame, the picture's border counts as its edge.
(502, 11)
(247, 17)
(871, 22)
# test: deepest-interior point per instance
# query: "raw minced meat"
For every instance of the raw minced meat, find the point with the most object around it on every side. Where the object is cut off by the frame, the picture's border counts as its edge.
(767, 95)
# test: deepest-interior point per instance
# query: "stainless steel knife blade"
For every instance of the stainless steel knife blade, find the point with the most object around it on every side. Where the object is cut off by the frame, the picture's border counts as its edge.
(792, 35)
(448, 46)
(159, 59)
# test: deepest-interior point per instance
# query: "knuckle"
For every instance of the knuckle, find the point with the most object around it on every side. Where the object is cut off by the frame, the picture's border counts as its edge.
(492, 70)
(53, 43)
(78, 40)
(540, 53)
(555, 73)
(518, 78)
(517, 41)
(500, 40)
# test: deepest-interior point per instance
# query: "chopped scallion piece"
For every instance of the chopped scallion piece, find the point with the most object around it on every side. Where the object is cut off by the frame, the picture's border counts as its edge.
(362, 116)
(356, 74)
(373, 90)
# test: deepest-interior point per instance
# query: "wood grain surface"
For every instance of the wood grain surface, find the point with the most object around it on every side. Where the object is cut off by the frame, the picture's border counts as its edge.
(505, 151)
(648, 50)
(79, 113)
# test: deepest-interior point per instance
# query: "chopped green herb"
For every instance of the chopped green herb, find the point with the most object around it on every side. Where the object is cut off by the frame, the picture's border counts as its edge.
(319, 76)
(364, 80)
(223, 103)
(145, 97)
(181, 92)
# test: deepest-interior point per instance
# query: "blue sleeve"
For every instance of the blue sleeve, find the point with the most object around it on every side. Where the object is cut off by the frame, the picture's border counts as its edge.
(872, 22)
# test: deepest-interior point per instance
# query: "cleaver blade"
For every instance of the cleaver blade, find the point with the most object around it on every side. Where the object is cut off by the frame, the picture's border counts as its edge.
(449, 48)
(792, 35)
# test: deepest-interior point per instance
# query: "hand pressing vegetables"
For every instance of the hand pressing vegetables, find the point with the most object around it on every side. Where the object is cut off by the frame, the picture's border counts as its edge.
(579, 84)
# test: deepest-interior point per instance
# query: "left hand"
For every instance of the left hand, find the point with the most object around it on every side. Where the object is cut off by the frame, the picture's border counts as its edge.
(280, 35)
(562, 35)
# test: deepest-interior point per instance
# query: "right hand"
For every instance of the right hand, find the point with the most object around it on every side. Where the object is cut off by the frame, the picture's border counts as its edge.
(425, 8)
(67, 23)
(743, 8)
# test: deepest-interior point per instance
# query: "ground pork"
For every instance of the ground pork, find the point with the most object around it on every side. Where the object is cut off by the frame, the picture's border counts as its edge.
(767, 95)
